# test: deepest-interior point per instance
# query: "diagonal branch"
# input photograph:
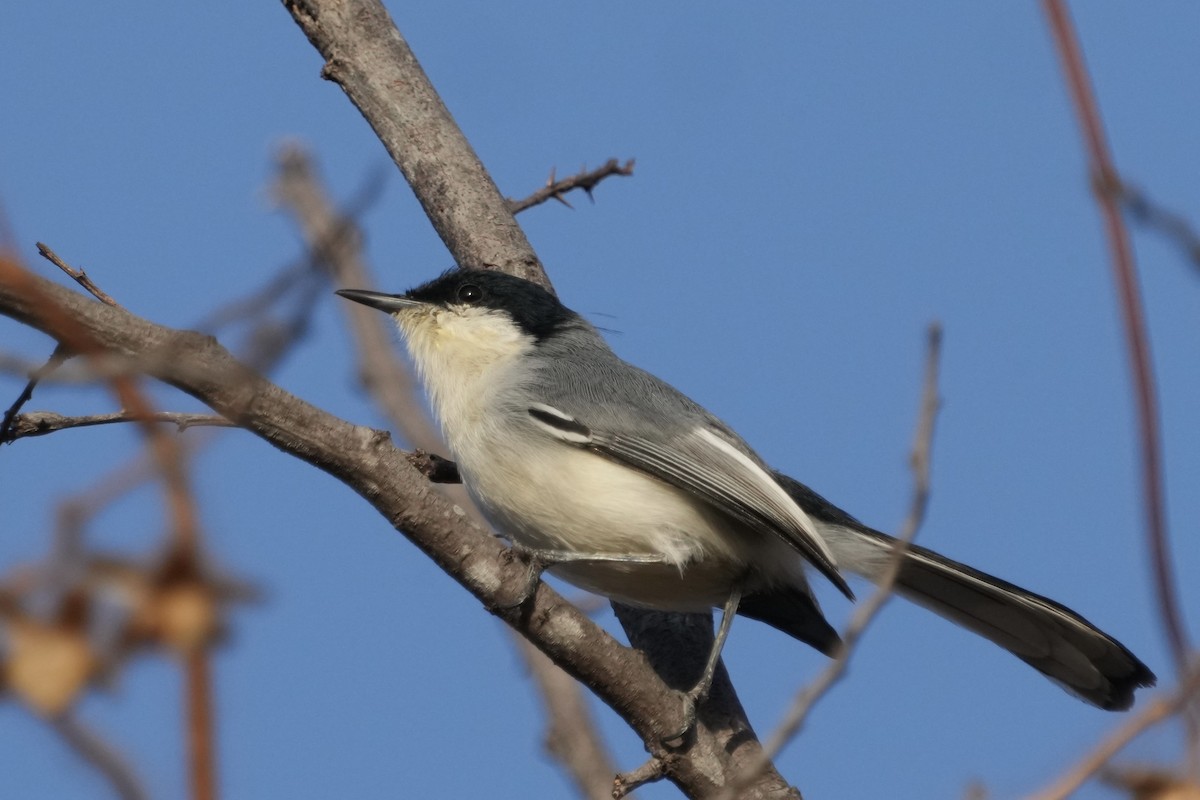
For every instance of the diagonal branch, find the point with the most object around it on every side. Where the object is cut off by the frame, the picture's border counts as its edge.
(865, 614)
(1107, 183)
(368, 463)
(1160, 709)
(369, 59)
(93, 748)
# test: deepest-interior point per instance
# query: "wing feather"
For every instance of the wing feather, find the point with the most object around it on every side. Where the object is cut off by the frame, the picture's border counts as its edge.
(706, 464)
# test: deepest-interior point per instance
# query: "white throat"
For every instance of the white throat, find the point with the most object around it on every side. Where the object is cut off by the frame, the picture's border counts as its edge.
(464, 354)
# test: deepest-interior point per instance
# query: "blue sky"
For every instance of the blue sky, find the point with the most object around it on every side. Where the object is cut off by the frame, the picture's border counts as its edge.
(814, 184)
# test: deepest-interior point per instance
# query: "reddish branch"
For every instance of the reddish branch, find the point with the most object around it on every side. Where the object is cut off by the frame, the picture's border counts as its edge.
(48, 314)
(1107, 183)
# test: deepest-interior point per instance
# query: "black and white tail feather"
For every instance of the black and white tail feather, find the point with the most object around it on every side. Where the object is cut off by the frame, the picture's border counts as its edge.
(1046, 635)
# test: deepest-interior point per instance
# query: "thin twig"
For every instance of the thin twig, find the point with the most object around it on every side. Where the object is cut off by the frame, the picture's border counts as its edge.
(651, 771)
(920, 459)
(1161, 708)
(78, 275)
(1106, 182)
(1171, 224)
(584, 180)
(1104, 178)
(199, 722)
(94, 749)
(7, 424)
(40, 423)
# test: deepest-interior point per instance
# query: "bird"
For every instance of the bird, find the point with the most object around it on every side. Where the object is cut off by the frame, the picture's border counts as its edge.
(618, 483)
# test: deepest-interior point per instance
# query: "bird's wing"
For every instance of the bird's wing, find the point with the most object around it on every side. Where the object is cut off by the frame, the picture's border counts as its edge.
(705, 463)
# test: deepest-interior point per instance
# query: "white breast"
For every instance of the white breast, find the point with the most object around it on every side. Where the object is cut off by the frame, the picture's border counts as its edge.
(527, 483)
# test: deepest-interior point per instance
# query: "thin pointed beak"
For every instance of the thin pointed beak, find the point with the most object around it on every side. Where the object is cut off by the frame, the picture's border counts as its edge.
(391, 303)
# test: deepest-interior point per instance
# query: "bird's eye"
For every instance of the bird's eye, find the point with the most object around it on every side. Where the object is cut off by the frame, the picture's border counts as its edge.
(469, 293)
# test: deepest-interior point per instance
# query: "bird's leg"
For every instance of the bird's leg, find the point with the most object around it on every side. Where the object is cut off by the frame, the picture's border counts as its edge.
(540, 559)
(697, 694)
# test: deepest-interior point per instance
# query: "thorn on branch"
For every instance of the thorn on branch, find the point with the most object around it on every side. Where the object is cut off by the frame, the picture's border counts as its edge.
(584, 180)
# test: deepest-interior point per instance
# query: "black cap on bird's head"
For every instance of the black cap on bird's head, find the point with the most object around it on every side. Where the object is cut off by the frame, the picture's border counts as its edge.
(534, 310)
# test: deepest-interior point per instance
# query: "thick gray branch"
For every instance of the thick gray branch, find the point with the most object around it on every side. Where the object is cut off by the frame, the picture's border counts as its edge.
(367, 462)
(366, 55)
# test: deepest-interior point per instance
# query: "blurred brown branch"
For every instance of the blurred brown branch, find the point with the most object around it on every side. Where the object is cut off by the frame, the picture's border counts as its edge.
(1161, 708)
(93, 748)
(1107, 186)
(1174, 226)
(52, 317)
(1105, 180)
(865, 614)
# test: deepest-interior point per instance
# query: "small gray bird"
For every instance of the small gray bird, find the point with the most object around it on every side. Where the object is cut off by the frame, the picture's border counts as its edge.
(623, 486)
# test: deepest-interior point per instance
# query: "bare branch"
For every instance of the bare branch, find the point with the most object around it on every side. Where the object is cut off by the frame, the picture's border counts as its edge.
(650, 772)
(197, 698)
(78, 275)
(92, 748)
(1161, 708)
(585, 180)
(1106, 181)
(865, 614)
(334, 240)
(40, 423)
(7, 433)
(42, 310)
(1157, 217)
(1107, 185)
(367, 56)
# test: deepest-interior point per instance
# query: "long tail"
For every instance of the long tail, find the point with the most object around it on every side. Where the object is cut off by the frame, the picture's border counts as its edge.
(1048, 636)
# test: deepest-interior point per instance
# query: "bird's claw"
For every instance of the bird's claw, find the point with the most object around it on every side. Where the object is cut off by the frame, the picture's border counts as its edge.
(535, 565)
(689, 718)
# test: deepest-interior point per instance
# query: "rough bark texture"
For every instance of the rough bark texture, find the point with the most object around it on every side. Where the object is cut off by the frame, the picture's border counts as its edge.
(366, 55)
